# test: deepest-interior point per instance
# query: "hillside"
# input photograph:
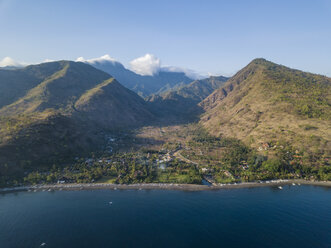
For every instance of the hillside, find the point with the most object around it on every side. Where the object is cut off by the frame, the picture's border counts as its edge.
(71, 88)
(61, 108)
(269, 103)
(142, 85)
(110, 105)
(15, 83)
(183, 101)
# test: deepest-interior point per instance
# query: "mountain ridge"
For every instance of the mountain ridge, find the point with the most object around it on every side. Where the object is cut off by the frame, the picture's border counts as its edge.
(142, 85)
(69, 106)
(182, 102)
(266, 102)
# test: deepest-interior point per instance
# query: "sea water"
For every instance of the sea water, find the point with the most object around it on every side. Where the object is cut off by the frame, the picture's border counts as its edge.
(297, 216)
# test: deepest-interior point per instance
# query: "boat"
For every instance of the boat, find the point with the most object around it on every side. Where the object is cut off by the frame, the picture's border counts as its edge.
(110, 203)
(293, 184)
(280, 187)
(42, 244)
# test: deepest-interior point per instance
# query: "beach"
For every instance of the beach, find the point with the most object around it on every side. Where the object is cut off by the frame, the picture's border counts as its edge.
(164, 186)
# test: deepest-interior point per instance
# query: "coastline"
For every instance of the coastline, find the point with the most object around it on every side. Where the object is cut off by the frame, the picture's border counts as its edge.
(164, 186)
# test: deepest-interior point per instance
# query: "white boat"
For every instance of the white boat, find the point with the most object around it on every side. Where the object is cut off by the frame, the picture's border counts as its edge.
(42, 244)
(280, 187)
(293, 184)
(110, 203)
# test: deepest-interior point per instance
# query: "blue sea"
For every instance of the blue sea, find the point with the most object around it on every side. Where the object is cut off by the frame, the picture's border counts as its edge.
(297, 216)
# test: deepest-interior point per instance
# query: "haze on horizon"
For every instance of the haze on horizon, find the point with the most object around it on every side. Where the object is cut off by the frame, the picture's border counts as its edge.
(208, 37)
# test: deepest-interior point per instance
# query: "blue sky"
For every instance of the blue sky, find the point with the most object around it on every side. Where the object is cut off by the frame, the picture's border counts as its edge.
(217, 37)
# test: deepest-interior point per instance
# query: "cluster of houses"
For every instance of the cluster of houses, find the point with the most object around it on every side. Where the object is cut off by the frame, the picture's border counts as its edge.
(163, 160)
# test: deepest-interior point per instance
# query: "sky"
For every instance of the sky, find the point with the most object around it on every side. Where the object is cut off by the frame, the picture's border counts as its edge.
(209, 37)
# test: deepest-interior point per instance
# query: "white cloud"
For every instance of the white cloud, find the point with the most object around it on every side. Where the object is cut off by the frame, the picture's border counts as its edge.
(189, 73)
(104, 58)
(7, 61)
(151, 65)
(146, 65)
(48, 60)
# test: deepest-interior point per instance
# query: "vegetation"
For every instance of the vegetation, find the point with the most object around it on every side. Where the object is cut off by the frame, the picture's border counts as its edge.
(266, 122)
(230, 160)
(217, 159)
(309, 94)
(63, 110)
(265, 102)
(122, 168)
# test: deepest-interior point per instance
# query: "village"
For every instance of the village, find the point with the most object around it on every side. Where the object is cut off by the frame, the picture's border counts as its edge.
(184, 155)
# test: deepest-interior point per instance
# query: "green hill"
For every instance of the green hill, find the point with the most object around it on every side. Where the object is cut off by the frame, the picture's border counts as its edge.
(57, 110)
(269, 103)
(15, 83)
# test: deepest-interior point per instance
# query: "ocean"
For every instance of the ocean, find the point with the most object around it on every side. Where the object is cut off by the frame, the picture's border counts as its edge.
(297, 216)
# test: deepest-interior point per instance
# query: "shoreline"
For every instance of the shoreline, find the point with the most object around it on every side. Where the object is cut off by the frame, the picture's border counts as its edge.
(164, 186)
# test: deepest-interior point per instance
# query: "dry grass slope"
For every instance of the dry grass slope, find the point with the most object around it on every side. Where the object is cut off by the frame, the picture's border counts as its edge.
(266, 102)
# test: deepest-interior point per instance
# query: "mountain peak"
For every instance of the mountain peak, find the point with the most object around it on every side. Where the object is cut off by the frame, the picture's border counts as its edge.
(264, 99)
(259, 61)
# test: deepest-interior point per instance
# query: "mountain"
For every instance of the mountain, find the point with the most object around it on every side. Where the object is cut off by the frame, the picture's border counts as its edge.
(15, 84)
(142, 85)
(267, 102)
(182, 103)
(61, 108)
(11, 67)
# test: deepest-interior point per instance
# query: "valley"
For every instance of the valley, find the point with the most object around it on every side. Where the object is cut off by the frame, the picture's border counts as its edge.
(73, 123)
